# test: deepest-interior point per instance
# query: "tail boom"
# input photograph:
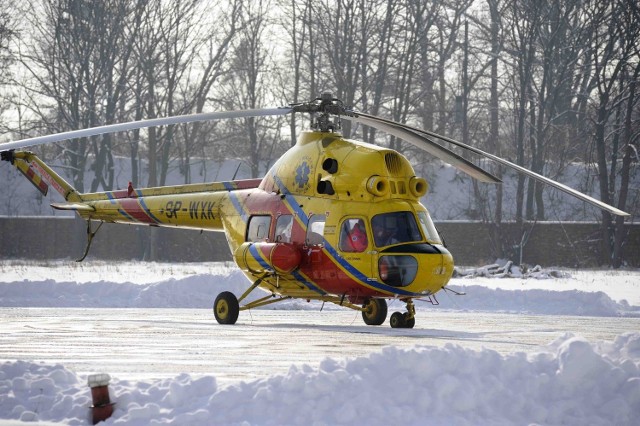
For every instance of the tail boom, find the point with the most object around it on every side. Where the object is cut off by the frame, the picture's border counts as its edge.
(196, 206)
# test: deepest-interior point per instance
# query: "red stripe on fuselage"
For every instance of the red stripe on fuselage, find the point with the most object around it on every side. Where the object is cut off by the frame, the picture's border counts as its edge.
(133, 209)
(317, 265)
(121, 193)
(246, 183)
(326, 273)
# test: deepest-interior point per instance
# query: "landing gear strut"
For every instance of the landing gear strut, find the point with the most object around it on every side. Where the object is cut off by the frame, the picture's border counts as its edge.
(406, 320)
(90, 235)
(227, 306)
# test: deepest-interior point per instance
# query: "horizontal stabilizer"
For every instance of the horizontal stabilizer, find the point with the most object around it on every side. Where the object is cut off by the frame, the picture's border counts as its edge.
(73, 206)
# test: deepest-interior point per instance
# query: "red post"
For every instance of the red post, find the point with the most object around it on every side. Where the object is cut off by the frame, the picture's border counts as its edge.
(102, 407)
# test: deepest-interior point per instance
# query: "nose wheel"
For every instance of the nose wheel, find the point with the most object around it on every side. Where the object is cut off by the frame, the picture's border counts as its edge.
(404, 320)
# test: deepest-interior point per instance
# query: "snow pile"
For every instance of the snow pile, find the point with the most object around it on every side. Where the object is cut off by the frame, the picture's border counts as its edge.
(535, 301)
(198, 290)
(135, 272)
(569, 382)
(507, 269)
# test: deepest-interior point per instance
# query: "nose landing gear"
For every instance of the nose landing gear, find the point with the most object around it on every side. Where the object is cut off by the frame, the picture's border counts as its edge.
(406, 320)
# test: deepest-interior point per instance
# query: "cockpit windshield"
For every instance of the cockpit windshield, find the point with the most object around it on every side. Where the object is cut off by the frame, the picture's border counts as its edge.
(429, 228)
(395, 228)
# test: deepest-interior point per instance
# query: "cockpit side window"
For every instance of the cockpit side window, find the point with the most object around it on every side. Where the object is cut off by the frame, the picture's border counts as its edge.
(395, 228)
(315, 230)
(353, 236)
(258, 229)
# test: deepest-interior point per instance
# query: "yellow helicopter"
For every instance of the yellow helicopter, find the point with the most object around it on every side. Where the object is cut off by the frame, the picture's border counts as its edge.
(333, 220)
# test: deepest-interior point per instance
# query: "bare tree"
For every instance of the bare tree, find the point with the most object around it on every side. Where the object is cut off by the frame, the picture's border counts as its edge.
(615, 59)
(401, 73)
(8, 35)
(296, 23)
(181, 55)
(523, 32)
(210, 65)
(248, 86)
(342, 29)
(78, 60)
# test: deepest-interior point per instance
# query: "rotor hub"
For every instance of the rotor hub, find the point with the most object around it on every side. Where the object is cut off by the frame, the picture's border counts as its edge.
(322, 109)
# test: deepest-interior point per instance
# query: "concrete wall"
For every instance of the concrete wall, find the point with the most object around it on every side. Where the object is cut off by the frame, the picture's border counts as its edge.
(572, 244)
(472, 243)
(66, 237)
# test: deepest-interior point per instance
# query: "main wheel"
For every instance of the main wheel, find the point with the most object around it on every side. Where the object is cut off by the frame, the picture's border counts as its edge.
(397, 320)
(375, 311)
(226, 308)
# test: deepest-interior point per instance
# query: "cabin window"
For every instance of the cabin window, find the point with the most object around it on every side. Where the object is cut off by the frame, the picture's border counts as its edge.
(395, 228)
(353, 236)
(315, 230)
(284, 224)
(258, 229)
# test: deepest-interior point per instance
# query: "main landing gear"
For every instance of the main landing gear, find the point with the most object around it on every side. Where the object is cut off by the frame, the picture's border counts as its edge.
(226, 307)
(374, 311)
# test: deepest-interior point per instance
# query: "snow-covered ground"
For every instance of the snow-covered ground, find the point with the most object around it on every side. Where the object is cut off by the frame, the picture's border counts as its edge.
(569, 380)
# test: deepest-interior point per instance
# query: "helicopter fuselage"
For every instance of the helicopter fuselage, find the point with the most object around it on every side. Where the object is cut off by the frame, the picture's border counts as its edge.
(295, 229)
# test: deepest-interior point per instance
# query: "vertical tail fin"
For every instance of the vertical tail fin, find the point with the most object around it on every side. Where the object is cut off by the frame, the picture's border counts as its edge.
(40, 175)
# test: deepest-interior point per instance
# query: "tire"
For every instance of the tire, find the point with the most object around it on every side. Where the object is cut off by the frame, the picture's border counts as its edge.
(409, 323)
(397, 320)
(375, 311)
(226, 308)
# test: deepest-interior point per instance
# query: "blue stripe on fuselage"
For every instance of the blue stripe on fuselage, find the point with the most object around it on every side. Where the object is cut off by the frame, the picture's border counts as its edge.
(256, 255)
(235, 201)
(144, 206)
(333, 254)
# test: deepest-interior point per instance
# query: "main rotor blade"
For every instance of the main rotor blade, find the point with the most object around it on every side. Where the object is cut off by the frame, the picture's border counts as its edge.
(516, 167)
(425, 144)
(132, 125)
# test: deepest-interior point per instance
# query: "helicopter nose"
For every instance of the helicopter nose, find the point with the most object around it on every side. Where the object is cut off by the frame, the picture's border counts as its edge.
(419, 268)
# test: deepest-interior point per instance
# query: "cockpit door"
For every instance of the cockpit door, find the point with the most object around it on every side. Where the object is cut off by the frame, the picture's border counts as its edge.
(355, 244)
(314, 239)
